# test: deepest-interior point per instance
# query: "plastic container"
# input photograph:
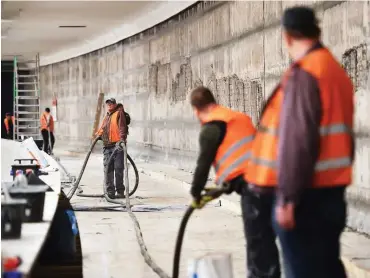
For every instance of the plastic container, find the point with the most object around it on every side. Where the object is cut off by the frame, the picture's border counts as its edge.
(12, 215)
(35, 196)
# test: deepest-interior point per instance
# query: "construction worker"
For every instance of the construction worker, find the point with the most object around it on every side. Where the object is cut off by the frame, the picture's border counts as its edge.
(225, 140)
(9, 122)
(47, 127)
(113, 130)
(304, 148)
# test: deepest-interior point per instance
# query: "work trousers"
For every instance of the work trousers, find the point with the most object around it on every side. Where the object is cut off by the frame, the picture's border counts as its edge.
(312, 248)
(115, 170)
(9, 135)
(262, 251)
(45, 137)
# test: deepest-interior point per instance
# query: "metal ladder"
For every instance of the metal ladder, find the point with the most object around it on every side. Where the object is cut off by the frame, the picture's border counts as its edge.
(26, 99)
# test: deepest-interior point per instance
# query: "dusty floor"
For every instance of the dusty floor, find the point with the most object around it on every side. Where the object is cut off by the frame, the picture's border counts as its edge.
(108, 238)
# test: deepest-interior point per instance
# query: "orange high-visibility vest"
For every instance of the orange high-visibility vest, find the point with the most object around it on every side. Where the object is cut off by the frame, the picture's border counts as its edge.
(6, 123)
(233, 153)
(334, 164)
(113, 135)
(43, 121)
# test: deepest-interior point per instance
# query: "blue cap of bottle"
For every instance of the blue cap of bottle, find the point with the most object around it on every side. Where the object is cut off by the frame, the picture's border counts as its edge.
(12, 274)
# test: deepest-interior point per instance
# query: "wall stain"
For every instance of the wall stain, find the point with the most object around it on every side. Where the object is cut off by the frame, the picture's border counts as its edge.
(243, 95)
(355, 62)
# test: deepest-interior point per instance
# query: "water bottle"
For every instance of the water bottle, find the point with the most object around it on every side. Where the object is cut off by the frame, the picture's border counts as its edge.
(20, 179)
(73, 221)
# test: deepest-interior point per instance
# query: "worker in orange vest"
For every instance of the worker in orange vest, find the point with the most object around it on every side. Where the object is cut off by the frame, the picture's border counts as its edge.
(9, 123)
(47, 126)
(304, 148)
(225, 140)
(113, 130)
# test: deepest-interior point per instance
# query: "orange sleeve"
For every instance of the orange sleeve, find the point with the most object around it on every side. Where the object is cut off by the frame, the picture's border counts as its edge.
(6, 125)
(51, 124)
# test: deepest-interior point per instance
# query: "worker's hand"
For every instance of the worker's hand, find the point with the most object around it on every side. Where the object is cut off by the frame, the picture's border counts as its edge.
(196, 203)
(284, 214)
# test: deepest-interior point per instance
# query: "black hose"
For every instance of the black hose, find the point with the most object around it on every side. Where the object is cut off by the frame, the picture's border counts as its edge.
(179, 240)
(76, 184)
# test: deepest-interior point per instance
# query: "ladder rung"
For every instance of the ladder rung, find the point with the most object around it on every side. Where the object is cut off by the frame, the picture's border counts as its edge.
(28, 105)
(26, 126)
(26, 112)
(28, 75)
(28, 134)
(25, 68)
(27, 91)
(27, 120)
(27, 83)
(27, 97)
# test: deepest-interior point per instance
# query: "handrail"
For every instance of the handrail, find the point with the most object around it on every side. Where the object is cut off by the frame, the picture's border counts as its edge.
(15, 95)
(38, 74)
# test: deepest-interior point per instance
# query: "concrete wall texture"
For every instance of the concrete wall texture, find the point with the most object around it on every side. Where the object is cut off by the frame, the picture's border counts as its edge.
(236, 49)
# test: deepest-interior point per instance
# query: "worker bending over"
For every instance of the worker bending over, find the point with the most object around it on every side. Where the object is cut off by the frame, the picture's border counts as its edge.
(225, 141)
(47, 127)
(9, 123)
(304, 147)
(113, 130)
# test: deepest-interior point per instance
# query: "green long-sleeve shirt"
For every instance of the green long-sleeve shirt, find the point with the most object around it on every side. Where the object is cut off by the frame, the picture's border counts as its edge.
(210, 138)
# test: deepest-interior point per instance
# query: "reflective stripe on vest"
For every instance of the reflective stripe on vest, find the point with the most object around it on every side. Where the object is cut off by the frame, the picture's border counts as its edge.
(232, 149)
(322, 165)
(245, 157)
(324, 130)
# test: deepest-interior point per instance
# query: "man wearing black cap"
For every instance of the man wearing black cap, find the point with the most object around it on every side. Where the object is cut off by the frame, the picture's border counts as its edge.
(113, 130)
(304, 149)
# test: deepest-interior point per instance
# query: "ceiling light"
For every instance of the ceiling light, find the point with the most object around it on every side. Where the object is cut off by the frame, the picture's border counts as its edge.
(72, 26)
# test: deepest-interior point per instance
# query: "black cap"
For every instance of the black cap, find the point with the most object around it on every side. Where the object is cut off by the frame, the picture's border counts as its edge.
(301, 21)
(111, 100)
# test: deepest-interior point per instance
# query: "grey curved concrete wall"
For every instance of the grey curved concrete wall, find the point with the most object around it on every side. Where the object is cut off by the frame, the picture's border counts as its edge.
(236, 49)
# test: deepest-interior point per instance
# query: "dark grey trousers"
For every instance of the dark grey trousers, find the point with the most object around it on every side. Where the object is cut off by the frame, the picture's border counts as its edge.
(115, 170)
(262, 252)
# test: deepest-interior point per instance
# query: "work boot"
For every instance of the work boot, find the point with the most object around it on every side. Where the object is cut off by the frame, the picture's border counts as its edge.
(111, 195)
(121, 193)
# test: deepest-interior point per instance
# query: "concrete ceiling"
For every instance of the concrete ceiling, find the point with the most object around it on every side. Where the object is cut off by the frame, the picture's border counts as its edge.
(31, 27)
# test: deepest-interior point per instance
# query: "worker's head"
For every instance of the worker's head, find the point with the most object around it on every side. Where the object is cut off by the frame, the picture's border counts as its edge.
(301, 30)
(8, 115)
(47, 110)
(202, 100)
(111, 104)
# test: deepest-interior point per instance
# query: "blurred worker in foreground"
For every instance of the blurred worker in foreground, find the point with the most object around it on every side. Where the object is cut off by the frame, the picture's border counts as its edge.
(113, 130)
(47, 127)
(305, 148)
(9, 123)
(225, 141)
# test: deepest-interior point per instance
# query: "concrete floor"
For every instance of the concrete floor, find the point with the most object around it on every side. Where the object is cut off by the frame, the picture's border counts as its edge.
(108, 238)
